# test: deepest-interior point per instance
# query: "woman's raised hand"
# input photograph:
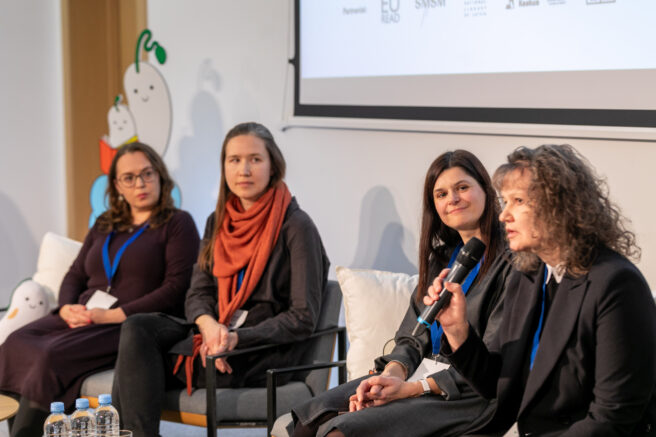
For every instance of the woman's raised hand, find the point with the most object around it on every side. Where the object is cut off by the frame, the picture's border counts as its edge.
(453, 317)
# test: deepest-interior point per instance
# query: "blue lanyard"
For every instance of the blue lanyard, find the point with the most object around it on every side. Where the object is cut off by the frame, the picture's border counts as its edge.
(110, 269)
(240, 278)
(538, 332)
(436, 331)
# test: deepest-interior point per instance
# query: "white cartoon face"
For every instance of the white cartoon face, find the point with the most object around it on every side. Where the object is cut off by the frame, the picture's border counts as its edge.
(28, 303)
(121, 125)
(28, 297)
(150, 104)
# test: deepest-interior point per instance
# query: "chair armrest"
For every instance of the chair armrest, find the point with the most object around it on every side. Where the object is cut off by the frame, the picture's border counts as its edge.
(315, 366)
(339, 330)
(210, 373)
(272, 385)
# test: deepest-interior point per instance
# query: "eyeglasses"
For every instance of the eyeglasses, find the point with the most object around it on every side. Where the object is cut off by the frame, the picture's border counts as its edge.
(128, 180)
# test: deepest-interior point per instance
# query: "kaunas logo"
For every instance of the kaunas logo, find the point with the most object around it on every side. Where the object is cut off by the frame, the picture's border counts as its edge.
(523, 3)
(429, 4)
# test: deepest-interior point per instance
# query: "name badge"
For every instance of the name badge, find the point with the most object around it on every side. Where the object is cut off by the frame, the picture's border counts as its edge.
(238, 319)
(102, 300)
(427, 367)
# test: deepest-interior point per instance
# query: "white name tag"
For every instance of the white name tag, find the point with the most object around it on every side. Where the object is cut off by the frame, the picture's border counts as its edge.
(238, 319)
(102, 300)
(427, 367)
(513, 431)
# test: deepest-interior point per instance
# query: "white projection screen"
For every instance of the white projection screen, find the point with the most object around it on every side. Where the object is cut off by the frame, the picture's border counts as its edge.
(568, 62)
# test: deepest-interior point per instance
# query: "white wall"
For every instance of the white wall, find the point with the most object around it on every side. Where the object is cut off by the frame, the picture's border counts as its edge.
(228, 63)
(32, 179)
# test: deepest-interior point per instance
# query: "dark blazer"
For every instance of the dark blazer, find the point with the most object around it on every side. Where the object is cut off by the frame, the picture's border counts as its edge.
(484, 311)
(595, 369)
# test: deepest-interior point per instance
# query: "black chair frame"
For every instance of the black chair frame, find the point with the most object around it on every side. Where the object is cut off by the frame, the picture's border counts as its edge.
(272, 374)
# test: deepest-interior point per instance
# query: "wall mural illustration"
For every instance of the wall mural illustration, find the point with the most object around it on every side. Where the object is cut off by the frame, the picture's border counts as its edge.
(146, 117)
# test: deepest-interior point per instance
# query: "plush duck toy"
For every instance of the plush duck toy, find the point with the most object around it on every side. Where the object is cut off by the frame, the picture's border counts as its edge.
(28, 303)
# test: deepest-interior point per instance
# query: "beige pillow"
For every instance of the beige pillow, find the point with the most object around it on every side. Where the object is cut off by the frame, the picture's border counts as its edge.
(374, 305)
(56, 255)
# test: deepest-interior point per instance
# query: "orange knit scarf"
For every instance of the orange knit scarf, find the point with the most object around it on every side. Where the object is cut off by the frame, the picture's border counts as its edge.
(245, 241)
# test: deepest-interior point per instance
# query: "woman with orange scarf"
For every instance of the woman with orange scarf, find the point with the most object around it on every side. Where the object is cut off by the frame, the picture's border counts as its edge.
(258, 280)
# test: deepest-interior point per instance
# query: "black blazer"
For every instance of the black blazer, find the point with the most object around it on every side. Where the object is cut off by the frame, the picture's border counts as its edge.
(484, 311)
(595, 369)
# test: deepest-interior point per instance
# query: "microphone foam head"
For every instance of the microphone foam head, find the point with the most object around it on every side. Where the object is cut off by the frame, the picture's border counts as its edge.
(471, 253)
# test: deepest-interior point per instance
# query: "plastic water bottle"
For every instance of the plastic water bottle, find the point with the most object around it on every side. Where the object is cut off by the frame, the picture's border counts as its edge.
(83, 423)
(57, 424)
(107, 422)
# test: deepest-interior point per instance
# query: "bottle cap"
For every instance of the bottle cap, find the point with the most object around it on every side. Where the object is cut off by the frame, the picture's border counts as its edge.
(57, 407)
(105, 399)
(81, 403)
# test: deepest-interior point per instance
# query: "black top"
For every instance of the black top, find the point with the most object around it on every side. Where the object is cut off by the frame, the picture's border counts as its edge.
(484, 311)
(153, 273)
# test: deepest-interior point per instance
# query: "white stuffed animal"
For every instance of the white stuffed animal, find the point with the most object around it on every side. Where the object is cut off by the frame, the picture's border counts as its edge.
(29, 302)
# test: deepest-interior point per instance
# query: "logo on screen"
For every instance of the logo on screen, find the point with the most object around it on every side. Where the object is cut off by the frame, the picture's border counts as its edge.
(524, 3)
(389, 11)
(429, 4)
(598, 2)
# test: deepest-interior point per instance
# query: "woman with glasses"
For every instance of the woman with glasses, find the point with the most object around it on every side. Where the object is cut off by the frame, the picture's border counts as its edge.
(136, 258)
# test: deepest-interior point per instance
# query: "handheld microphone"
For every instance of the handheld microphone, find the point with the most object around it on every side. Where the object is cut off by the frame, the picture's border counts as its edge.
(466, 260)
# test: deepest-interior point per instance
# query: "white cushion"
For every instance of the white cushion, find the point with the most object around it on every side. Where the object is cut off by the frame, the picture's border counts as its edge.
(56, 255)
(374, 305)
(28, 303)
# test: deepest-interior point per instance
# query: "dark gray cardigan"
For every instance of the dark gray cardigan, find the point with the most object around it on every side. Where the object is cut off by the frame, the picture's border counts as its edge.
(286, 302)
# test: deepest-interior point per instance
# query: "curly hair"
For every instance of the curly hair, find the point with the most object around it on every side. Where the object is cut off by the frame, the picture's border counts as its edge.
(571, 205)
(437, 240)
(118, 216)
(278, 167)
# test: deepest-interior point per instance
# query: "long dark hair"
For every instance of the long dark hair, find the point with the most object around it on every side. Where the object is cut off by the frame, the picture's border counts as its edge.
(571, 206)
(118, 216)
(278, 167)
(437, 240)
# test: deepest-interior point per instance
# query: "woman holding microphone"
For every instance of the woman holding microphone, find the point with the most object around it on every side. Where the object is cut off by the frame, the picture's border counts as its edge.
(459, 204)
(576, 352)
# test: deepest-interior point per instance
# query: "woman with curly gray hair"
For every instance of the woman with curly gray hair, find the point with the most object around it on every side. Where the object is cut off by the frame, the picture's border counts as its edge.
(576, 352)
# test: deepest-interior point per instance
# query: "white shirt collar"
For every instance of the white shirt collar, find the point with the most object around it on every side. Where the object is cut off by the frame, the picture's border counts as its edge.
(558, 272)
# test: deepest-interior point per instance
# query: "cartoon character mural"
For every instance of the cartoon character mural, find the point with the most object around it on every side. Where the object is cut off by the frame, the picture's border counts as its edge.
(148, 97)
(146, 117)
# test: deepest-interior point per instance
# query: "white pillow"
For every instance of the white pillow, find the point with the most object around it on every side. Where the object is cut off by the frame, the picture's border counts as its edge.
(374, 305)
(56, 255)
(28, 303)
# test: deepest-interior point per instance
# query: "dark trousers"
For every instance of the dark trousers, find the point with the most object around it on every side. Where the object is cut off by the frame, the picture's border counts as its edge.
(143, 370)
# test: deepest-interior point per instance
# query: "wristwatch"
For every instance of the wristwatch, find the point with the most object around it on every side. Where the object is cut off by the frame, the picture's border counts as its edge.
(425, 386)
